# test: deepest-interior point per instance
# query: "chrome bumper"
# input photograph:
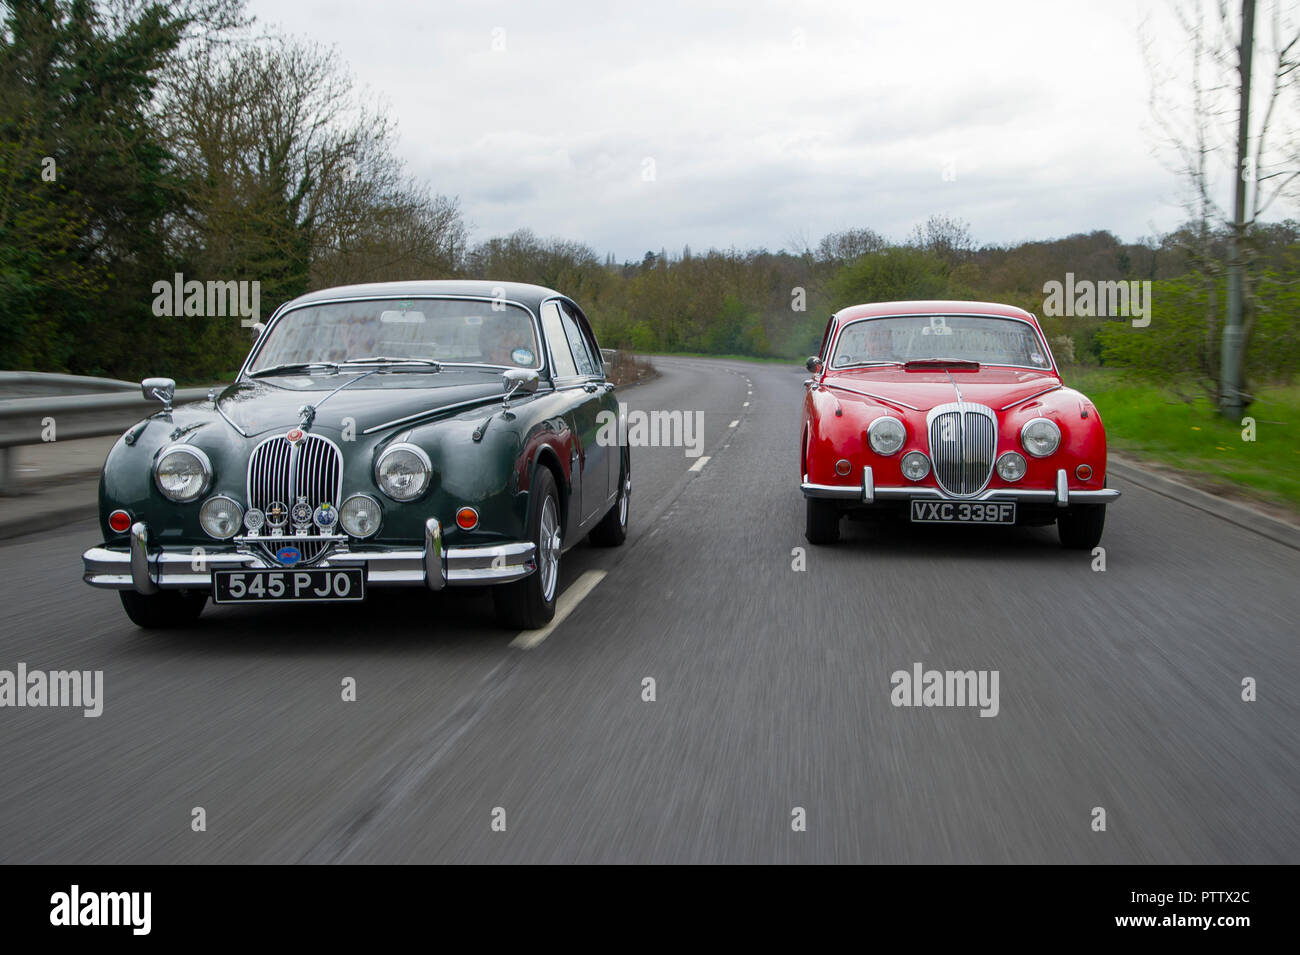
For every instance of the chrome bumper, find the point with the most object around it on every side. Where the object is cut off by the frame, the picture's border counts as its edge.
(868, 493)
(146, 569)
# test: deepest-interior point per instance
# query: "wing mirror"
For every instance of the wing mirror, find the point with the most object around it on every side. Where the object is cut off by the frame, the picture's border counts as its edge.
(813, 364)
(523, 380)
(164, 389)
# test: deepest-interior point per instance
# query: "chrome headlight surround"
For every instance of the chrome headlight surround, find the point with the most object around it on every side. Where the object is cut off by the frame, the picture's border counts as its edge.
(198, 457)
(348, 516)
(416, 467)
(1040, 437)
(915, 465)
(886, 435)
(1007, 464)
(210, 517)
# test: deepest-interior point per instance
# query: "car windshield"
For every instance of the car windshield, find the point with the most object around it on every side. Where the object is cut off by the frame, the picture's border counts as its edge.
(430, 330)
(986, 339)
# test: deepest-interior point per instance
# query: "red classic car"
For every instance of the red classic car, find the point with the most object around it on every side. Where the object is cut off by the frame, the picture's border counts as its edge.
(952, 413)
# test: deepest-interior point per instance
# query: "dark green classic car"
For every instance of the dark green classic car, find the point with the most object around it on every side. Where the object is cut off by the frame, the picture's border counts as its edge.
(425, 434)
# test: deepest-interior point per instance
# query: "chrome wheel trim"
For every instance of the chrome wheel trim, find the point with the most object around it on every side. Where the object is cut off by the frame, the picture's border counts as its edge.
(548, 549)
(624, 494)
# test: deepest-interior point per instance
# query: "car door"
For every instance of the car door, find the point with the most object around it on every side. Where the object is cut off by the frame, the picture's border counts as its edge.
(580, 412)
(606, 456)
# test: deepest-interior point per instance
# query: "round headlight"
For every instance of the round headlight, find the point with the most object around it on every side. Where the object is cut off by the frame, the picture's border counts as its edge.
(221, 517)
(182, 474)
(1040, 437)
(360, 515)
(886, 434)
(915, 465)
(1011, 466)
(402, 472)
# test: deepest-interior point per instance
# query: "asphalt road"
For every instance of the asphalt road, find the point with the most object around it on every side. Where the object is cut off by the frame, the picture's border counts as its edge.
(1118, 689)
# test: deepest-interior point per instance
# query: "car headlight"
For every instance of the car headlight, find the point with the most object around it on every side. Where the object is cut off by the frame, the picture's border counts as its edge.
(1040, 437)
(1011, 466)
(221, 517)
(886, 434)
(402, 472)
(182, 474)
(360, 515)
(915, 465)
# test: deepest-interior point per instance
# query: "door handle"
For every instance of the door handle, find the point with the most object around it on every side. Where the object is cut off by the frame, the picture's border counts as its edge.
(590, 387)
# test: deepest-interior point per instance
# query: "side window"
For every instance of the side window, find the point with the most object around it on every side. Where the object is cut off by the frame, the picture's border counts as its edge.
(581, 357)
(558, 341)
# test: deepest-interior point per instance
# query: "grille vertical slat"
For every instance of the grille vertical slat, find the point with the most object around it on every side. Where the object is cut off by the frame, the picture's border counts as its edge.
(963, 440)
(277, 471)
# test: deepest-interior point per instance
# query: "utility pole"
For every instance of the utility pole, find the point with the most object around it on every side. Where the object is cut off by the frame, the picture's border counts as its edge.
(1233, 352)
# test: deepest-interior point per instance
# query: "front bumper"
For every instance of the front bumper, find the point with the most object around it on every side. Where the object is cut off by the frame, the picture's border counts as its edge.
(146, 569)
(868, 493)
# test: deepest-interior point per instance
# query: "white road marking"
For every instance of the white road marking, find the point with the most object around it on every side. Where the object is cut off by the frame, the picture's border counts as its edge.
(699, 465)
(734, 423)
(565, 605)
(745, 405)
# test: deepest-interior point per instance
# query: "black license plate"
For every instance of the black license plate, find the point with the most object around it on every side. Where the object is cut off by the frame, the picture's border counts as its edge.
(314, 585)
(963, 512)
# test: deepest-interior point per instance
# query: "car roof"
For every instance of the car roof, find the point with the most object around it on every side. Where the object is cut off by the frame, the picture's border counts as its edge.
(529, 295)
(937, 307)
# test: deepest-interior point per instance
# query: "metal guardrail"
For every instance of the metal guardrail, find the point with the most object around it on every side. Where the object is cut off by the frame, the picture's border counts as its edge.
(33, 420)
(25, 384)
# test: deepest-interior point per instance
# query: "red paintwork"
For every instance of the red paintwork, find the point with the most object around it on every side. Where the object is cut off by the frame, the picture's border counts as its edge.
(826, 437)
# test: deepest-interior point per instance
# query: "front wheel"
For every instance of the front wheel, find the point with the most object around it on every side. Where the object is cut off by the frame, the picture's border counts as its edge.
(163, 611)
(821, 522)
(529, 604)
(1080, 526)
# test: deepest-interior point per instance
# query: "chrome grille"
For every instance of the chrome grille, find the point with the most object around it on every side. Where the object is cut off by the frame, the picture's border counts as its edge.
(282, 471)
(963, 441)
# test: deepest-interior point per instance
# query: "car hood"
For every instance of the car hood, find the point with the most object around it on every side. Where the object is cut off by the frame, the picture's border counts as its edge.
(258, 406)
(923, 390)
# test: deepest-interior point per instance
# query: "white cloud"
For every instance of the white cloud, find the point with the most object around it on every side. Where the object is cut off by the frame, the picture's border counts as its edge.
(764, 120)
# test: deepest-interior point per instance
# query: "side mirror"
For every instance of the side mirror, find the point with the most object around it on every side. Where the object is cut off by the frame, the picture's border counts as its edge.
(161, 388)
(519, 380)
(813, 364)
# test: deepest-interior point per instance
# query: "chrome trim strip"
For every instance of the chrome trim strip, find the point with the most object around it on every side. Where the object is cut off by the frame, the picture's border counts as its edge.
(374, 297)
(141, 580)
(1042, 337)
(868, 486)
(1028, 495)
(435, 572)
(1062, 488)
(1036, 394)
(420, 415)
(114, 568)
(868, 394)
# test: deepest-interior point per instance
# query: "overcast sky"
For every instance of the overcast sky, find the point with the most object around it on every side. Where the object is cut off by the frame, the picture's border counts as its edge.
(636, 126)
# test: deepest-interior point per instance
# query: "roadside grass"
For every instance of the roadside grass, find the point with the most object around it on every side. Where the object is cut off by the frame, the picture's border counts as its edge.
(1149, 421)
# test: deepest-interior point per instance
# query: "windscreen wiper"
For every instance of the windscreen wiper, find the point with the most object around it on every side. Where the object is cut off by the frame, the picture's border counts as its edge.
(389, 360)
(293, 366)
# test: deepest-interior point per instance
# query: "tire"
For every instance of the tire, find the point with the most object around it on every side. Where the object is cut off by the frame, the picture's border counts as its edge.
(612, 529)
(530, 603)
(821, 522)
(1080, 526)
(168, 610)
